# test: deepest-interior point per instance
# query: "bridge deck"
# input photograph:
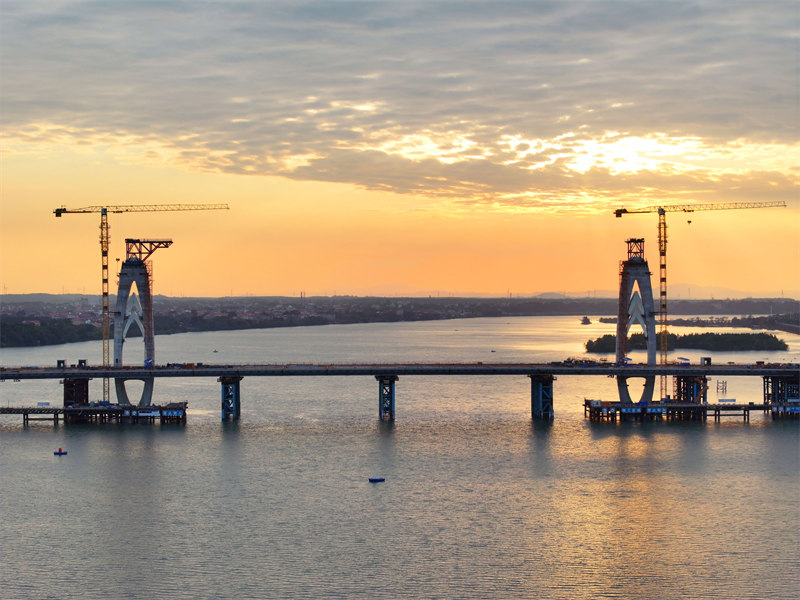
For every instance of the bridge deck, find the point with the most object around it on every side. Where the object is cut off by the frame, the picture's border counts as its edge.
(372, 369)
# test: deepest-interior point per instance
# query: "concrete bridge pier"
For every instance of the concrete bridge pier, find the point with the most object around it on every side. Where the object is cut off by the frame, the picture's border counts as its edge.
(386, 396)
(231, 405)
(542, 397)
(76, 391)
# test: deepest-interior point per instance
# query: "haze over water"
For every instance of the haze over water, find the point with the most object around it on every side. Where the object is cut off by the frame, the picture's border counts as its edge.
(478, 502)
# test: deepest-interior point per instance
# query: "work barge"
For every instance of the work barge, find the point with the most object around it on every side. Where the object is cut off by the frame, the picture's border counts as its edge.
(172, 413)
(599, 411)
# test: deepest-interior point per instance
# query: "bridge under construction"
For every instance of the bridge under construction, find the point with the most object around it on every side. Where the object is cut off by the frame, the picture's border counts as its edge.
(781, 383)
(688, 400)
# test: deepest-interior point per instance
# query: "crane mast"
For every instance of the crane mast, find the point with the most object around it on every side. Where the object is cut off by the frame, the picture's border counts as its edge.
(106, 309)
(662, 257)
(662, 288)
(104, 246)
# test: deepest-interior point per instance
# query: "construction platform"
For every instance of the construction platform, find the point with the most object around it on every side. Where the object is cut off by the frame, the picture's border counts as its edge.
(598, 411)
(101, 413)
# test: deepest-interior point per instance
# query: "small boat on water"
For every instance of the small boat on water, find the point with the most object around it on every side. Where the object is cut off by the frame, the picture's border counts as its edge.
(375, 479)
(585, 321)
(60, 452)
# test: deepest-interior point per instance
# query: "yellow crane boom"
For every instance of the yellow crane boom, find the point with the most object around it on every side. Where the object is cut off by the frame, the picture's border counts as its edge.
(125, 208)
(104, 242)
(662, 211)
(695, 207)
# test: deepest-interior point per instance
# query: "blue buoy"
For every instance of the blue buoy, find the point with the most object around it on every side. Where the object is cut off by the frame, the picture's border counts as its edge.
(60, 452)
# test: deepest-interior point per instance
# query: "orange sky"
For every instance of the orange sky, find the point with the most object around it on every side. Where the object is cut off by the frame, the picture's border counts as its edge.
(485, 168)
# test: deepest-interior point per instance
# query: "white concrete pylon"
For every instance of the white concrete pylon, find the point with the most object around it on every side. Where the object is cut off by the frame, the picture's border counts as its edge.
(636, 306)
(129, 309)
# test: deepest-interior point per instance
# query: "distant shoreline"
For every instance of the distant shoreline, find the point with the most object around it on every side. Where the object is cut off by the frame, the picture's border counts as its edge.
(76, 319)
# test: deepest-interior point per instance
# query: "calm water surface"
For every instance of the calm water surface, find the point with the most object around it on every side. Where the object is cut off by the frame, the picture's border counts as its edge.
(478, 502)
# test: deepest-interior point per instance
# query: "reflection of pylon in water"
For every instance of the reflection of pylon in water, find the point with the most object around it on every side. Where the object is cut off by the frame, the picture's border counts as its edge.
(722, 387)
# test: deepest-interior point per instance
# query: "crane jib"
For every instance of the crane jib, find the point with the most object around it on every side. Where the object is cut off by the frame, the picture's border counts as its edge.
(139, 208)
(694, 207)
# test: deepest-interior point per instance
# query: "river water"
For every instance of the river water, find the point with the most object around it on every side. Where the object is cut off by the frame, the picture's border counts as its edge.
(478, 502)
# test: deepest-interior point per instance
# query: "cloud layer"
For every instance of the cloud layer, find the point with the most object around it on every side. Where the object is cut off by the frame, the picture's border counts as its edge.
(512, 105)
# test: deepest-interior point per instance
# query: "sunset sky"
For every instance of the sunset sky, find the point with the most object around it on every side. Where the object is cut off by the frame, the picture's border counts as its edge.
(400, 147)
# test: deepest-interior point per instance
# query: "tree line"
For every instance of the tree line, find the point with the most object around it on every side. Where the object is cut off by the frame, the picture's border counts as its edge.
(44, 331)
(715, 342)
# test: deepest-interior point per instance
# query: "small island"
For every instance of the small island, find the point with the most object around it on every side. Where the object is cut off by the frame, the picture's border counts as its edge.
(716, 342)
(788, 322)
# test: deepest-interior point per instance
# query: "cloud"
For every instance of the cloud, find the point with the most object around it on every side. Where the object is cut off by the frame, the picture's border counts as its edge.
(501, 104)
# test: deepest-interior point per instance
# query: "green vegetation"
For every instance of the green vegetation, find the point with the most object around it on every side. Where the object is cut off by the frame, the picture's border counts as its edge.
(789, 322)
(20, 331)
(176, 323)
(719, 342)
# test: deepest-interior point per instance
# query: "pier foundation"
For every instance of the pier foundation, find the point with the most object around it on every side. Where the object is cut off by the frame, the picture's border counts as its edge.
(386, 396)
(542, 397)
(231, 405)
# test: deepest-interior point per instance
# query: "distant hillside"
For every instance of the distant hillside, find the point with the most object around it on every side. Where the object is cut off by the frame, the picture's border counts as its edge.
(48, 298)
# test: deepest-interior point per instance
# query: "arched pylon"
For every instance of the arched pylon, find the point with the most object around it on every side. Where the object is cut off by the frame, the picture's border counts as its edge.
(635, 306)
(129, 311)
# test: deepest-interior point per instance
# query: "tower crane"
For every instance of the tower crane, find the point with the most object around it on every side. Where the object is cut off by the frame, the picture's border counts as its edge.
(662, 256)
(104, 240)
